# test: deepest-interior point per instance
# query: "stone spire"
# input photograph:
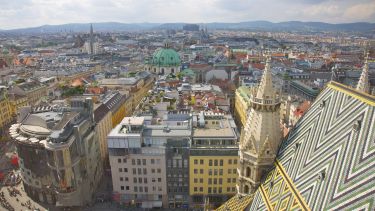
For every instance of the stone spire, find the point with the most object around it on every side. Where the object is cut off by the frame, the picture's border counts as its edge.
(363, 83)
(261, 136)
(266, 89)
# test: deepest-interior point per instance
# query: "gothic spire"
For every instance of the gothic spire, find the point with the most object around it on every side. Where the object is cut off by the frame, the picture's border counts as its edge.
(266, 89)
(363, 83)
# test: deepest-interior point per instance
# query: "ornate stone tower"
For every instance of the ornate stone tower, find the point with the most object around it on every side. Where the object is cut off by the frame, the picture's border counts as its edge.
(261, 136)
(363, 83)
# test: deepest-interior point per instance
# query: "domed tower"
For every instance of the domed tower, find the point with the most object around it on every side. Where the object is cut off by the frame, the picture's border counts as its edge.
(261, 136)
(165, 61)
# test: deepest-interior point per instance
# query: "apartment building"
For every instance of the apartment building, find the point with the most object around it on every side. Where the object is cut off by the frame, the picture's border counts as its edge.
(58, 153)
(213, 159)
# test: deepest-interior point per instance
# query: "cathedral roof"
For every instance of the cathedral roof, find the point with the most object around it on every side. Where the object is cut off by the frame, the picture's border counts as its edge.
(327, 161)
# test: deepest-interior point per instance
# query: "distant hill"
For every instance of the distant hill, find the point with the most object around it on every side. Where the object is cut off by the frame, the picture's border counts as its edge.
(84, 27)
(249, 25)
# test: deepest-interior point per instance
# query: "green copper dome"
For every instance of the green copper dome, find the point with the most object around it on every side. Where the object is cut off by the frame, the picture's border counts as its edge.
(5, 51)
(166, 57)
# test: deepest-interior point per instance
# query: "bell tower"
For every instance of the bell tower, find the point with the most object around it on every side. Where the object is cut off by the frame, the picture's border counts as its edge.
(261, 135)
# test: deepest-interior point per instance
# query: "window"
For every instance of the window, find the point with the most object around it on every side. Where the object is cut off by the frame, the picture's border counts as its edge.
(210, 172)
(119, 160)
(127, 187)
(215, 172)
(201, 162)
(230, 161)
(126, 179)
(125, 169)
(152, 170)
(134, 171)
(133, 162)
(121, 178)
(152, 161)
(124, 160)
(195, 171)
(215, 190)
(215, 162)
(120, 169)
(141, 189)
(234, 180)
(201, 180)
(248, 172)
(195, 180)
(220, 181)
(201, 171)
(153, 180)
(235, 161)
(209, 190)
(135, 189)
(220, 171)
(234, 171)
(221, 162)
(122, 187)
(210, 162)
(233, 189)
(201, 189)
(138, 162)
(159, 179)
(144, 162)
(215, 181)
(140, 180)
(195, 189)
(220, 190)
(246, 189)
(229, 171)
(228, 180)
(159, 170)
(144, 171)
(210, 181)
(139, 171)
(135, 180)
(195, 161)
(145, 180)
(228, 189)
(146, 189)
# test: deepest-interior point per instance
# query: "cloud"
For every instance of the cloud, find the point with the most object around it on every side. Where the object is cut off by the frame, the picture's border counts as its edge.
(26, 13)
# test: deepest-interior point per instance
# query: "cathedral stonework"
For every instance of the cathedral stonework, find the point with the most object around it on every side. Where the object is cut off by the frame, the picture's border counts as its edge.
(261, 136)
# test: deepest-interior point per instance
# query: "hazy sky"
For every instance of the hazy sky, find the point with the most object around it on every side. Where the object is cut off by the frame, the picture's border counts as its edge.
(26, 13)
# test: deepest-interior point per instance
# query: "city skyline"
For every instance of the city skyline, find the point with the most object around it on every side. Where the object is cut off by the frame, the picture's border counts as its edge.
(31, 13)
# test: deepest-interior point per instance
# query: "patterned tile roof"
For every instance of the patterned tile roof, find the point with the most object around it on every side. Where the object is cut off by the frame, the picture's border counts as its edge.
(236, 203)
(327, 162)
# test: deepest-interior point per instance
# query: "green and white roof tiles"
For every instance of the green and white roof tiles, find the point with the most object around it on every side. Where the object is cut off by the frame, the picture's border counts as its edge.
(327, 161)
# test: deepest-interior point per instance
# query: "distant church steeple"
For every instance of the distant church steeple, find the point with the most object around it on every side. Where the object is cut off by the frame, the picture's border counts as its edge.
(261, 136)
(363, 83)
(91, 40)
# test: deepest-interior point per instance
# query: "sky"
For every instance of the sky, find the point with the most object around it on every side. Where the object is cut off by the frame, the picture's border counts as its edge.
(28, 13)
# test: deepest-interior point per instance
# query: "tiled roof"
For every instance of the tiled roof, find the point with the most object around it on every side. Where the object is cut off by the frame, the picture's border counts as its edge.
(236, 203)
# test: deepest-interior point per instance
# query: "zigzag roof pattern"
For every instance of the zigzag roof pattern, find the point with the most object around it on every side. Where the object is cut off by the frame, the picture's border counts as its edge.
(327, 162)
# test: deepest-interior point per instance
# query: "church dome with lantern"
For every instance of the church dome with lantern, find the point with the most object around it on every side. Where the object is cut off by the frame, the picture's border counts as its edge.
(165, 61)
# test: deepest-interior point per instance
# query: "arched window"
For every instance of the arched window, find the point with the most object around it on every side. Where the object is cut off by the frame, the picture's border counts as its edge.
(154, 70)
(172, 70)
(246, 189)
(162, 70)
(248, 172)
